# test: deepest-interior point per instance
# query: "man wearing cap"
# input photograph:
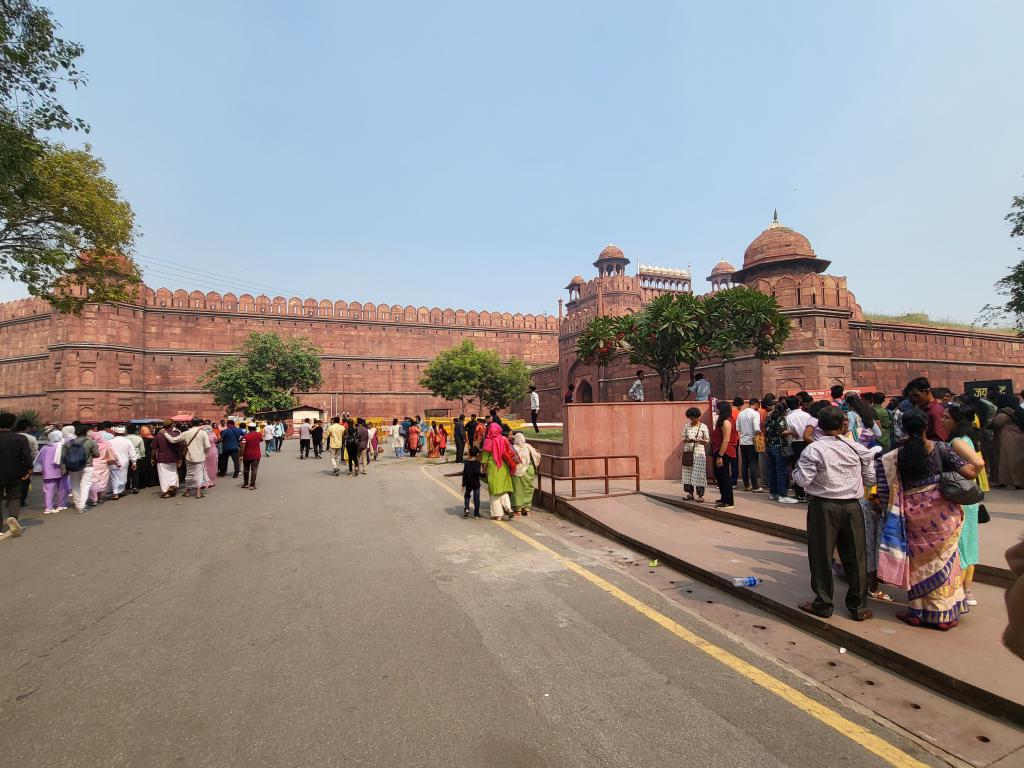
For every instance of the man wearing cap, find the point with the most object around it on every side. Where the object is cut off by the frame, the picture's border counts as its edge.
(126, 456)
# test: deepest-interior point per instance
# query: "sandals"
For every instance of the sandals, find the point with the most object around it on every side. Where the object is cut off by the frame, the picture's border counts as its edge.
(689, 497)
(913, 621)
(808, 608)
(880, 596)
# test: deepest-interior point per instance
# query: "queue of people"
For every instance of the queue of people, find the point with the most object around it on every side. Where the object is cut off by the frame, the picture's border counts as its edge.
(877, 476)
(82, 466)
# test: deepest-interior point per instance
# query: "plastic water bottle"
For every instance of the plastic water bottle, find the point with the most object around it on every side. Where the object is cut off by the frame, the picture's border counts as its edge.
(747, 581)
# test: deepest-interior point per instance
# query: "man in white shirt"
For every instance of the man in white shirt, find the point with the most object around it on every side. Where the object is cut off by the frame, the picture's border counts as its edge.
(534, 407)
(126, 458)
(835, 472)
(305, 439)
(197, 442)
(797, 421)
(748, 425)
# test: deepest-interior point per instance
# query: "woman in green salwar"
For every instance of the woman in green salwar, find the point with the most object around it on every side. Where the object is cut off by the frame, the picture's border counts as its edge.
(498, 461)
(525, 475)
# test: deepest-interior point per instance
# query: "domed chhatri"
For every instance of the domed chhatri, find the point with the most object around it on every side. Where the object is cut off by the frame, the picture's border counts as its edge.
(611, 261)
(721, 276)
(779, 245)
(575, 283)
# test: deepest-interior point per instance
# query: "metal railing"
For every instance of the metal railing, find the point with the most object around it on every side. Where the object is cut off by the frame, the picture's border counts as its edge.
(573, 477)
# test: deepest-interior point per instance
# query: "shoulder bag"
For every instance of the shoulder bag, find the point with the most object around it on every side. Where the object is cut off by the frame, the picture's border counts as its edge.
(956, 487)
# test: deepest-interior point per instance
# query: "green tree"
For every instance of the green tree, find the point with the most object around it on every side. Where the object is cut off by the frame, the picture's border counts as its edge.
(62, 223)
(1012, 286)
(32, 417)
(505, 384)
(677, 332)
(265, 374)
(465, 372)
(34, 62)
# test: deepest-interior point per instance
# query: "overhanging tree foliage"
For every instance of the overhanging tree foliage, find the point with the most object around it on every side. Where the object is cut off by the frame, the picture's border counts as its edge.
(677, 332)
(265, 374)
(1012, 286)
(55, 203)
(465, 372)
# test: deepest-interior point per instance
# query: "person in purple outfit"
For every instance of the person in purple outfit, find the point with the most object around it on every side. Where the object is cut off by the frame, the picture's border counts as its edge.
(55, 493)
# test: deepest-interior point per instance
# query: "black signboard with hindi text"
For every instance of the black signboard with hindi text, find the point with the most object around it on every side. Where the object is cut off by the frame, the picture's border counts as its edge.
(989, 389)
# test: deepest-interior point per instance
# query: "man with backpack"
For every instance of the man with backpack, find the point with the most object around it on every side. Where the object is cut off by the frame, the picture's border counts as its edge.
(77, 459)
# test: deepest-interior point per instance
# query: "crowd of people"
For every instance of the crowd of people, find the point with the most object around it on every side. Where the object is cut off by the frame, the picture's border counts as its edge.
(85, 465)
(876, 474)
(489, 453)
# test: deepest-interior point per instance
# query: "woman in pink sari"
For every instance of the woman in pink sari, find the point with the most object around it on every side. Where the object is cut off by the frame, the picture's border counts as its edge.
(211, 456)
(919, 550)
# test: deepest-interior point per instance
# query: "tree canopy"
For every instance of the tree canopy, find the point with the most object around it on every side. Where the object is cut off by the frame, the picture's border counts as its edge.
(1011, 286)
(678, 332)
(62, 222)
(265, 374)
(465, 372)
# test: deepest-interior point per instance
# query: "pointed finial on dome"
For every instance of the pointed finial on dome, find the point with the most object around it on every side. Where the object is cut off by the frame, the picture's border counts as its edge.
(775, 214)
(775, 220)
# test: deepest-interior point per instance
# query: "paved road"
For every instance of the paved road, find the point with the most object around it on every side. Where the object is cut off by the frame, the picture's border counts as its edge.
(326, 621)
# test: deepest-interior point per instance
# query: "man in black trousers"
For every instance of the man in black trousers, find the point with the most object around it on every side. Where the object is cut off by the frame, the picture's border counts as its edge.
(834, 472)
(15, 466)
(459, 428)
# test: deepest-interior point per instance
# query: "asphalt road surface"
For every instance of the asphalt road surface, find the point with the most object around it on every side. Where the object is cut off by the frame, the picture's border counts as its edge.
(339, 621)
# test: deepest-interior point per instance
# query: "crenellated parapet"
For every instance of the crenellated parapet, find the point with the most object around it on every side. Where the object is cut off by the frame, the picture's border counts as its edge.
(294, 307)
(17, 308)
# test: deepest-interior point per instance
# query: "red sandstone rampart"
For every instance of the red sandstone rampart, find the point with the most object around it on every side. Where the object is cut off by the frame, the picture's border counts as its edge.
(133, 360)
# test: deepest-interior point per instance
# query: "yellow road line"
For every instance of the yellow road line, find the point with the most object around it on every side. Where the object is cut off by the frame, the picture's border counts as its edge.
(862, 736)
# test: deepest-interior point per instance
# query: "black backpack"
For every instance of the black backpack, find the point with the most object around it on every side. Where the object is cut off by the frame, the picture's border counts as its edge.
(352, 440)
(75, 457)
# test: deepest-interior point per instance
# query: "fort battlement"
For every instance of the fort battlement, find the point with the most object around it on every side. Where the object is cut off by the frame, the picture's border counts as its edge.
(140, 358)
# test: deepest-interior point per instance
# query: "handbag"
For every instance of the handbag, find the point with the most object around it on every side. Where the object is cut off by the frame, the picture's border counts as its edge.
(955, 487)
(960, 490)
(983, 515)
(687, 458)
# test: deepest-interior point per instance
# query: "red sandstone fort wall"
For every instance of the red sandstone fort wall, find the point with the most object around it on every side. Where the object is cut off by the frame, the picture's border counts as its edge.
(821, 352)
(131, 361)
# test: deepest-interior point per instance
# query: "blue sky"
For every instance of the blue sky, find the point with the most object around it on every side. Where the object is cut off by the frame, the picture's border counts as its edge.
(475, 155)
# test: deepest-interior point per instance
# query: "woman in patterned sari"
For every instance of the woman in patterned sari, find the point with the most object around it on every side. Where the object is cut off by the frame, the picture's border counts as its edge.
(919, 549)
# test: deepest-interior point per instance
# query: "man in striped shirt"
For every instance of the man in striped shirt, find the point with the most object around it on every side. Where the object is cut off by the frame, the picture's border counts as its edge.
(834, 472)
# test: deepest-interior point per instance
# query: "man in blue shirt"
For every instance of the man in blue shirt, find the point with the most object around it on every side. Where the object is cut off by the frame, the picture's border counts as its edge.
(229, 438)
(700, 388)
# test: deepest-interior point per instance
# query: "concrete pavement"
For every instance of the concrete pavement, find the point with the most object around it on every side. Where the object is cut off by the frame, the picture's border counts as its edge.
(361, 621)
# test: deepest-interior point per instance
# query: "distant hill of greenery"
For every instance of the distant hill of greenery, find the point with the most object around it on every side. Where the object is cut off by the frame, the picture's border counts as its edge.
(921, 318)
